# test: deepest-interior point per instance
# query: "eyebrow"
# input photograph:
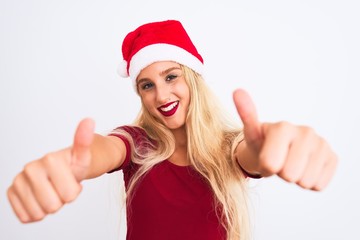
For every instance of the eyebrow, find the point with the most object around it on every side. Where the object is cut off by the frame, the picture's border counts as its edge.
(142, 80)
(169, 70)
(166, 71)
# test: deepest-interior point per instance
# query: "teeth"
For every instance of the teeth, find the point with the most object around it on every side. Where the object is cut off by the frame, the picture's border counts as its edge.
(170, 107)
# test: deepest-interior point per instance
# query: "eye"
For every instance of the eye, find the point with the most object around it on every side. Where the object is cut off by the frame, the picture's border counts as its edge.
(146, 86)
(171, 77)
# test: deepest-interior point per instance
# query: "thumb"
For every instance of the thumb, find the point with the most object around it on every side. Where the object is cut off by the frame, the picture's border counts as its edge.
(247, 112)
(80, 152)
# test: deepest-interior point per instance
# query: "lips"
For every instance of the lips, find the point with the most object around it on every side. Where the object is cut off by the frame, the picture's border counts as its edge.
(169, 109)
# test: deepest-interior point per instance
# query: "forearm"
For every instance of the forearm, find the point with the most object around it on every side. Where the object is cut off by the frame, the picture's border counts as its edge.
(107, 153)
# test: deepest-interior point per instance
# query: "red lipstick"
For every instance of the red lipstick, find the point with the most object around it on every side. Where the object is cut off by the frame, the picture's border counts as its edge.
(169, 109)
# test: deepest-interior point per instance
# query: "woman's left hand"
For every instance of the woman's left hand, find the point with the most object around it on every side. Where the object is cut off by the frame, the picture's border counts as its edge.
(295, 153)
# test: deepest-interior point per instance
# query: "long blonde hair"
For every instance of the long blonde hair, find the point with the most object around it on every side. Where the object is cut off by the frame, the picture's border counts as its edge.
(210, 144)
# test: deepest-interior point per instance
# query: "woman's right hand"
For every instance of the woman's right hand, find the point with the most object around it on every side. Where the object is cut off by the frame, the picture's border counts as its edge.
(48, 183)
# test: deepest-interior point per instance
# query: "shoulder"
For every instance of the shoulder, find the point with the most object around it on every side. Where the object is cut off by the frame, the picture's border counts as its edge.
(135, 134)
(132, 131)
(134, 137)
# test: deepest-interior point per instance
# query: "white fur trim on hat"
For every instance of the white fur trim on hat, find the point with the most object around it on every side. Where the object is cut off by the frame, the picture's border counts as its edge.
(162, 52)
(121, 69)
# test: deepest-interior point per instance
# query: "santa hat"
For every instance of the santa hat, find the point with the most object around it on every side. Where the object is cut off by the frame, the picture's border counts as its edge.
(158, 41)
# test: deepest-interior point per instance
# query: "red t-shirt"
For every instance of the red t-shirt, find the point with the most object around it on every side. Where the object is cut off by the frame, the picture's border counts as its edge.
(170, 203)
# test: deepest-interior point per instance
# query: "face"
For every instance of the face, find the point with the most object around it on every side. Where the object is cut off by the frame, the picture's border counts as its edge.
(164, 93)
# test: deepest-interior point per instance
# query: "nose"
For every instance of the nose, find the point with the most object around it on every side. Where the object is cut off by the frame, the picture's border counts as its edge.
(163, 93)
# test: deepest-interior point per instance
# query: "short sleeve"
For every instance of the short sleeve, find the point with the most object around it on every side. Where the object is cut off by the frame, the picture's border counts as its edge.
(137, 134)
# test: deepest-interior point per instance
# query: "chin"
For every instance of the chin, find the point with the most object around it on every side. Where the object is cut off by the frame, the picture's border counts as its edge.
(174, 126)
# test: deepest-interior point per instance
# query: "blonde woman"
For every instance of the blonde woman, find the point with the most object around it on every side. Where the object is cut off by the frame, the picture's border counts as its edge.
(185, 163)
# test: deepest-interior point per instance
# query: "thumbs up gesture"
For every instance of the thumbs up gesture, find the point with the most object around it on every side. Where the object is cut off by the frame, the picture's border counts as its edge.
(295, 153)
(48, 183)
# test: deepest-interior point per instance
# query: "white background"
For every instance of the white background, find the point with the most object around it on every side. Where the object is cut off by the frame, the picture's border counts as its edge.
(298, 59)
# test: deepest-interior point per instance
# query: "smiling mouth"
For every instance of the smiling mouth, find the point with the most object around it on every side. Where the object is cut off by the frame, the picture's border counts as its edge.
(169, 109)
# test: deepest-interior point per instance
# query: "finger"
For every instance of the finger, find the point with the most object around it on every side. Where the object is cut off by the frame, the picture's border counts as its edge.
(298, 158)
(327, 173)
(275, 148)
(28, 201)
(64, 184)
(247, 112)
(38, 176)
(41, 187)
(295, 163)
(315, 166)
(17, 206)
(81, 154)
(83, 138)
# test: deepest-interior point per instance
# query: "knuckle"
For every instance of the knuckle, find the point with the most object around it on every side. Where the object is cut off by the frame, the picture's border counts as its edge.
(38, 216)
(24, 219)
(49, 159)
(308, 132)
(306, 184)
(268, 166)
(269, 169)
(18, 183)
(71, 193)
(322, 145)
(317, 188)
(283, 125)
(52, 206)
(289, 176)
(30, 169)
(10, 193)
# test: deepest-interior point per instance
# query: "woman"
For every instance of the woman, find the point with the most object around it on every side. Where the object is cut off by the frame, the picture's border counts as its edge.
(185, 163)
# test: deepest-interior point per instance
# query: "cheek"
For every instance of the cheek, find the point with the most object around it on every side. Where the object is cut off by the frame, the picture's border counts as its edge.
(185, 93)
(148, 103)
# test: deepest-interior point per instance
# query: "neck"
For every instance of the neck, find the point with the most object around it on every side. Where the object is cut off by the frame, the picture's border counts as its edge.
(180, 137)
(179, 156)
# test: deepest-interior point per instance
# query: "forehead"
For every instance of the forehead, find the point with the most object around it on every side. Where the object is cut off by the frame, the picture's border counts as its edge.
(157, 68)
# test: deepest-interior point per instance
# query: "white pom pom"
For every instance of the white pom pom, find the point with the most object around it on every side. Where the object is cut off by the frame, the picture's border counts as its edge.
(121, 70)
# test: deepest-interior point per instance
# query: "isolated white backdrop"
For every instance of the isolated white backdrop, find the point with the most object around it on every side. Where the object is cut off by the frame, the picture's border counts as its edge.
(298, 59)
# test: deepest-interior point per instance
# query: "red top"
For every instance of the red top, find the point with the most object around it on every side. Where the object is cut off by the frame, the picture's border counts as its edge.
(170, 203)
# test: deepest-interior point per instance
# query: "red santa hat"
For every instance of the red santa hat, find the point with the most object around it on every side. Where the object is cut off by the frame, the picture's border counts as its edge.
(158, 41)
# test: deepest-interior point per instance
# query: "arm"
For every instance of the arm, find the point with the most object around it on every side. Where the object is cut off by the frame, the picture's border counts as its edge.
(108, 153)
(294, 153)
(48, 183)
